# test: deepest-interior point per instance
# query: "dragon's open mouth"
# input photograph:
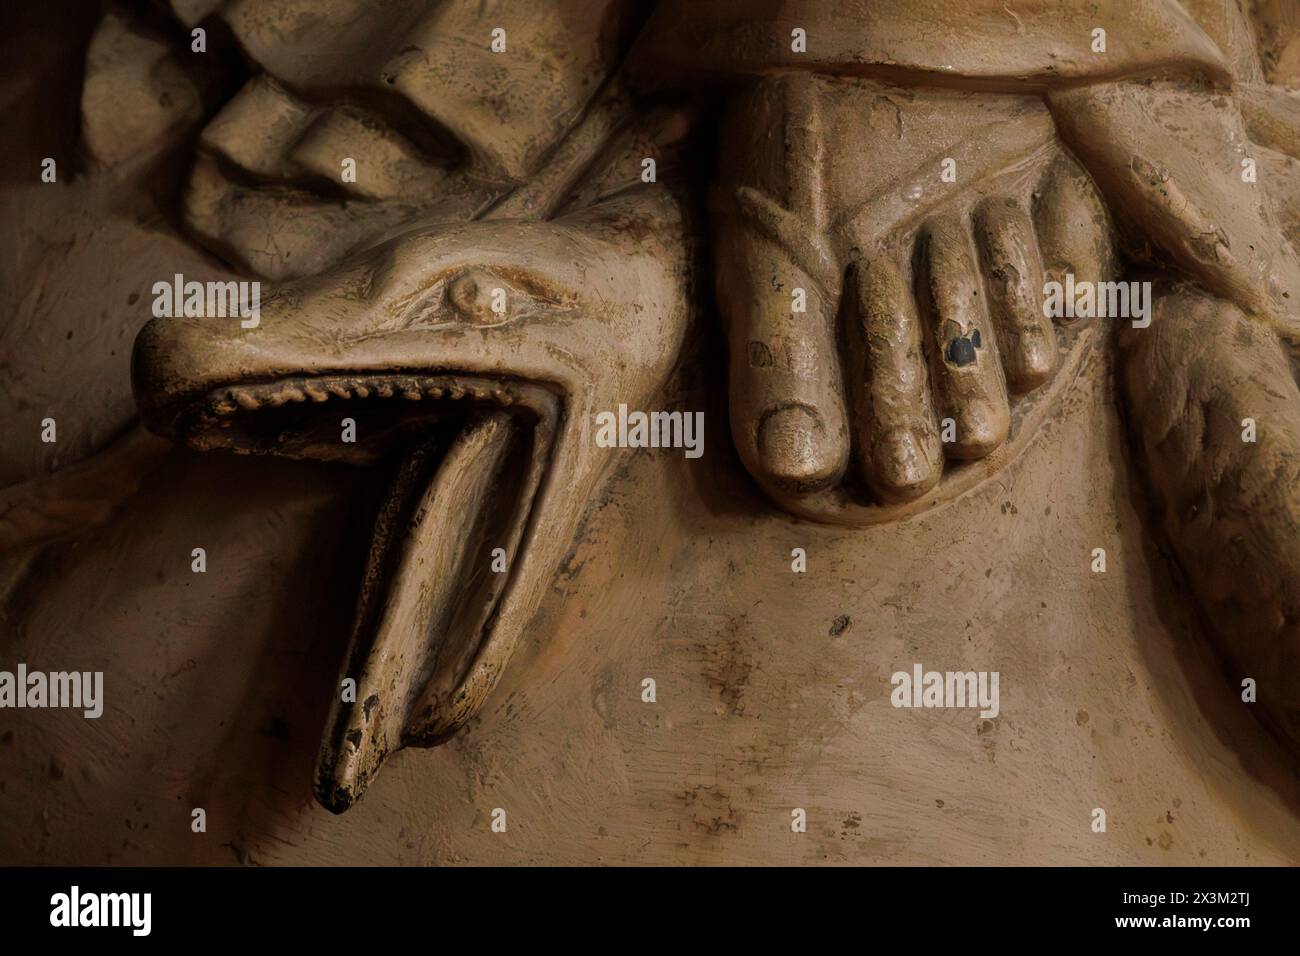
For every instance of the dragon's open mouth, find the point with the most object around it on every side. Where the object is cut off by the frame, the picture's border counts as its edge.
(468, 458)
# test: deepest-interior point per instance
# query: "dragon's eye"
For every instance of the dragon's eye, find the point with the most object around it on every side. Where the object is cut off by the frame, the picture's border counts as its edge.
(487, 297)
(482, 297)
(478, 298)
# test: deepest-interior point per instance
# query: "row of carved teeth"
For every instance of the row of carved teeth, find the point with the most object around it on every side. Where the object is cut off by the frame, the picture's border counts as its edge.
(320, 390)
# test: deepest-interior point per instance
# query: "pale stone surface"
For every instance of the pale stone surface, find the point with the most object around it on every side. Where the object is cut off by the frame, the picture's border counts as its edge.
(501, 272)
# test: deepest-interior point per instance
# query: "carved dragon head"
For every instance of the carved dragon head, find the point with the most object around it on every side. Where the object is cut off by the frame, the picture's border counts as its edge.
(469, 360)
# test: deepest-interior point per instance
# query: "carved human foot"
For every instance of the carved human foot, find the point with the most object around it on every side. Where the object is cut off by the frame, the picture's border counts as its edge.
(479, 412)
(885, 304)
(1160, 132)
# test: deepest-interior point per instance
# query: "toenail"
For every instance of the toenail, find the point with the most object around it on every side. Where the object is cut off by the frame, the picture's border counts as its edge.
(792, 446)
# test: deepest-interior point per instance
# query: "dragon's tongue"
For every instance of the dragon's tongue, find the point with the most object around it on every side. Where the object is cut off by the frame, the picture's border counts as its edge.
(426, 597)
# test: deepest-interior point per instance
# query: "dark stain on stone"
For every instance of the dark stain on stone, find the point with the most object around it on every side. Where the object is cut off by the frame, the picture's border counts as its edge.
(711, 810)
(961, 349)
(727, 667)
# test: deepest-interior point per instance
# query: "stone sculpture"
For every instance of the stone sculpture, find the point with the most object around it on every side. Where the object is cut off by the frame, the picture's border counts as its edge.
(479, 227)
